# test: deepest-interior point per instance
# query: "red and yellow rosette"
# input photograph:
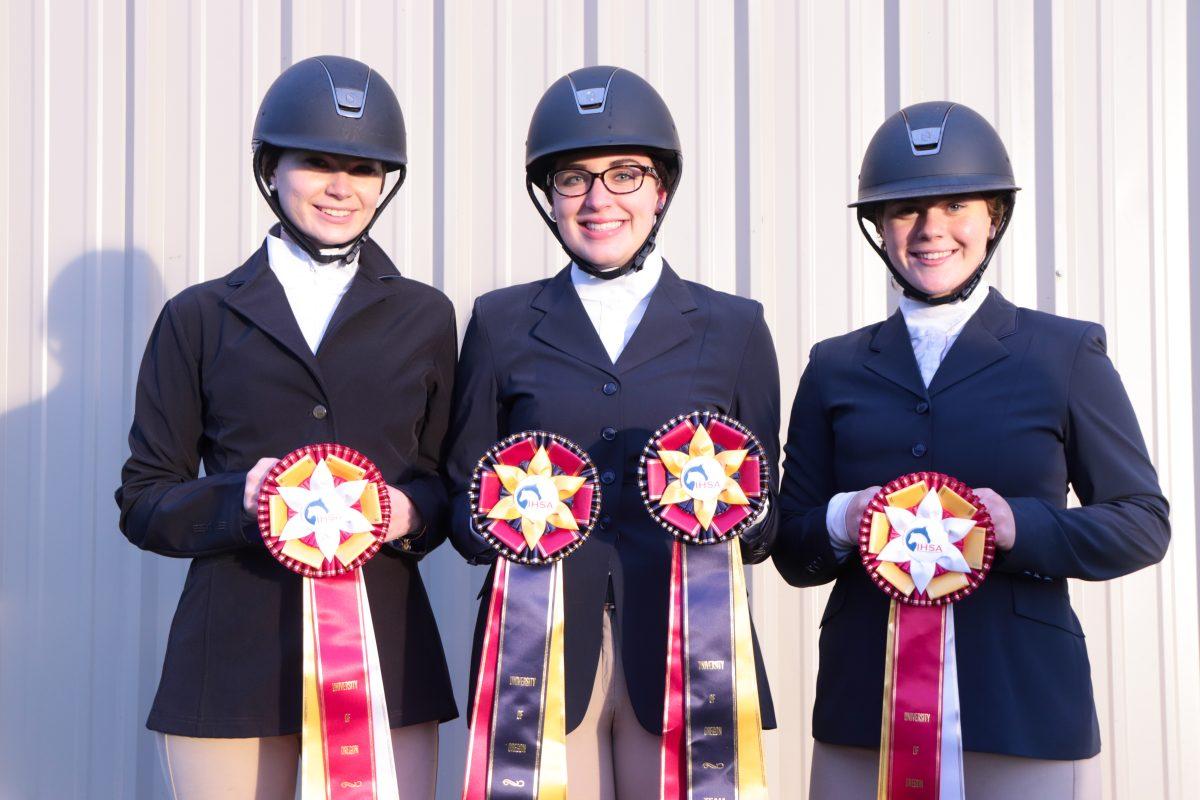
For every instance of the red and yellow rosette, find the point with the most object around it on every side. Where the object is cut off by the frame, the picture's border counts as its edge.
(705, 478)
(323, 511)
(927, 541)
(534, 497)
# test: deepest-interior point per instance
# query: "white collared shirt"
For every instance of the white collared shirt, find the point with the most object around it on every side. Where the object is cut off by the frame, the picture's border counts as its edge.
(932, 330)
(616, 306)
(313, 289)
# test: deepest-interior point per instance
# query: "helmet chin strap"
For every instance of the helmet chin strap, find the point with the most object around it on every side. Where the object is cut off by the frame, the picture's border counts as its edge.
(964, 289)
(633, 265)
(317, 251)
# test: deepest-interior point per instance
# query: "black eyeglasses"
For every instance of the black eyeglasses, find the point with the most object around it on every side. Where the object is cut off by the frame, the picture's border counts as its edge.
(621, 179)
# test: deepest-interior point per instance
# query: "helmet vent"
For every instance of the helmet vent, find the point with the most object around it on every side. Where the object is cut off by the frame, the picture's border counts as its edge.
(350, 100)
(590, 101)
(926, 141)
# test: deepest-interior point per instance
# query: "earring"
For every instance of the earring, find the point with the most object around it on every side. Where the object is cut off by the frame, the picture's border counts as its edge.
(271, 187)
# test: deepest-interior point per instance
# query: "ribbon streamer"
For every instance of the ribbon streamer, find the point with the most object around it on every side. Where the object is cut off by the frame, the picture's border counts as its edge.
(534, 497)
(517, 748)
(703, 478)
(926, 541)
(712, 723)
(323, 512)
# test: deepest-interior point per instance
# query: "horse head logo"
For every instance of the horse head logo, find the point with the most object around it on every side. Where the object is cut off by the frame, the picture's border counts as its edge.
(910, 538)
(692, 475)
(524, 492)
(310, 515)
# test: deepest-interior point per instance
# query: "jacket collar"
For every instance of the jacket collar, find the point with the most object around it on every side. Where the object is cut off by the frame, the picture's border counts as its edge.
(976, 348)
(565, 325)
(258, 296)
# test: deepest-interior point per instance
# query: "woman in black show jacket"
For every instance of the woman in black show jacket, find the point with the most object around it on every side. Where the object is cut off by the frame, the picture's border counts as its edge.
(574, 355)
(243, 369)
(1016, 403)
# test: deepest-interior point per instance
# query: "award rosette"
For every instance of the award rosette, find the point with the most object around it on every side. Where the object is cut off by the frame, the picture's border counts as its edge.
(927, 541)
(534, 497)
(705, 478)
(323, 511)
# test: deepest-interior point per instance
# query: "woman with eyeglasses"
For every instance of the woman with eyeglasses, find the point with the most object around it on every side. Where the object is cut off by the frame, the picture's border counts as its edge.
(1016, 403)
(316, 338)
(604, 353)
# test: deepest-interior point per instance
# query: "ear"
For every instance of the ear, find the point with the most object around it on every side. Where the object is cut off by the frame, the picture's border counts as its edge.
(992, 232)
(662, 199)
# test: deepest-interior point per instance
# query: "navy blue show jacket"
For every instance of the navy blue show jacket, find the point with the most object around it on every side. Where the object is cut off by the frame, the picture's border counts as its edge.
(1026, 404)
(532, 359)
(227, 379)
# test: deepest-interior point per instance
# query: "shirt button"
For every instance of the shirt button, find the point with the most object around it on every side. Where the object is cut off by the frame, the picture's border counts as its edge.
(609, 388)
(319, 411)
(609, 434)
(919, 449)
(607, 477)
(922, 407)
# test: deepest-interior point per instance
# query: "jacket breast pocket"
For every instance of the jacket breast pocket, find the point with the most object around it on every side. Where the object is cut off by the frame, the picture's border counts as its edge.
(1046, 602)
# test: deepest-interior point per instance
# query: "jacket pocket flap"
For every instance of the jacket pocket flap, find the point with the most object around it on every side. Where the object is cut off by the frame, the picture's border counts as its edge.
(1046, 602)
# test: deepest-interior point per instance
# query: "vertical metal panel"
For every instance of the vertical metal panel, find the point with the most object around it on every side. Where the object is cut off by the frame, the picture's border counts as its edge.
(124, 131)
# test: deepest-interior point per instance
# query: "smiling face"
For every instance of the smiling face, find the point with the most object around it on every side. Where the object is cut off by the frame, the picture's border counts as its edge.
(330, 198)
(603, 228)
(937, 242)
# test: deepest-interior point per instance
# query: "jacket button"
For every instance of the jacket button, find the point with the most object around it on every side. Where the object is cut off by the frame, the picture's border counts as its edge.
(609, 388)
(919, 449)
(922, 407)
(319, 411)
(605, 521)
(607, 477)
(609, 434)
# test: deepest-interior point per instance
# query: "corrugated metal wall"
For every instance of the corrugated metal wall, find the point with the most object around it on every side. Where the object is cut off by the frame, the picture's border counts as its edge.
(124, 134)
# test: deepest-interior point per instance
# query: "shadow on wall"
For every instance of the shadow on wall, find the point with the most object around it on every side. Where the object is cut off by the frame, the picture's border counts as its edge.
(83, 614)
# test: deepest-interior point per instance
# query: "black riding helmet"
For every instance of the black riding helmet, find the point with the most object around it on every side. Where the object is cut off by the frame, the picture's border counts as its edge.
(330, 104)
(931, 150)
(597, 108)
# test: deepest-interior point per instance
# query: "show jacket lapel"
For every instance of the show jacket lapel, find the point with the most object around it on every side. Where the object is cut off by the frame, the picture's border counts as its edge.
(259, 297)
(894, 357)
(979, 345)
(664, 325)
(566, 325)
(372, 284)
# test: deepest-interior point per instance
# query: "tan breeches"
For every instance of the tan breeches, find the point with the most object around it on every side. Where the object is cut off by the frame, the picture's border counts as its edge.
(847, 773)
(610, 756)
(266, 768)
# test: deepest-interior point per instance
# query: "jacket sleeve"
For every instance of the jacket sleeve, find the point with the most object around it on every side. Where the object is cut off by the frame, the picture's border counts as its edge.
(803, 553)
(476, 424)
(426, 489)
(756, 405)
(165, 507)
(1123, 524)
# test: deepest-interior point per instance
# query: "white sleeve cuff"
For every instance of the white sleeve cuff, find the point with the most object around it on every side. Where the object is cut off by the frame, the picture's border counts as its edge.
(835, 522)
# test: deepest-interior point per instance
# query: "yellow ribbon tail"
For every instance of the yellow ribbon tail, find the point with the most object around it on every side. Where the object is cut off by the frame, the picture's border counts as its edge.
(751, 766)
(883, 791)
(552, 784)
(312, 752)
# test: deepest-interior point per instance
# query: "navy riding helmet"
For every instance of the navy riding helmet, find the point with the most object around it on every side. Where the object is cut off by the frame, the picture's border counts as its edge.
(330, 104)
(931, 150)
(598, 108)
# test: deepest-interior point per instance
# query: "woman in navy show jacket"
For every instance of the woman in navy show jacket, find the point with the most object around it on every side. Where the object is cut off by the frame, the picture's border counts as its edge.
(315, 338)
(1015, 402)
(604, 353)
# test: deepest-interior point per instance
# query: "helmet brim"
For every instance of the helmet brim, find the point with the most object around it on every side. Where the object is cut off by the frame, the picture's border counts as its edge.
(936, 186)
